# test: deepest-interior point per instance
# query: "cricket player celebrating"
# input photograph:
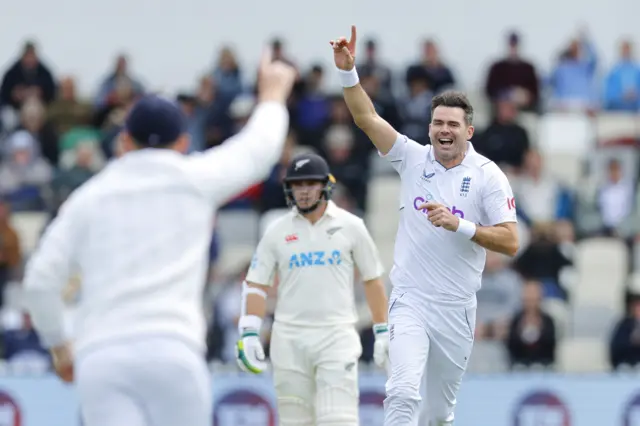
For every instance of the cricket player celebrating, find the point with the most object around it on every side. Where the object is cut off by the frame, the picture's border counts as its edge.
(314, 345)
(454, 204)
(138, 235)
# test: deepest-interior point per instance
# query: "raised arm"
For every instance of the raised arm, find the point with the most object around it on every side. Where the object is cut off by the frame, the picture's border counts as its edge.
(364, 114)
(248, 157)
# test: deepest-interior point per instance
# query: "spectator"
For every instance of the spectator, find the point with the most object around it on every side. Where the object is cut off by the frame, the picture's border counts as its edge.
(33, 119)
(624, 347)
(272, 196)
(10, 253)
(111, 113)
(439, 75)
(22, 345)
(622, 86)
(26, 78)
(339, 147)
(67, 111)
(544, 258)
(227, 76)
(24, 174)
(68, 180)
(540, 196)
(416, 110)
(111, 89)
(313, 108)
(195, 121)
(573, 83)
(277, 49)
(498, 298)
(514, 77)
(383, 102)
(616, 198)
(532, 334)
(373, 66)
(505, 141)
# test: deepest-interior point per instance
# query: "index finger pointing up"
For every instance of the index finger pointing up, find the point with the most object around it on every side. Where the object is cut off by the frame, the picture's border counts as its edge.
(352, 40)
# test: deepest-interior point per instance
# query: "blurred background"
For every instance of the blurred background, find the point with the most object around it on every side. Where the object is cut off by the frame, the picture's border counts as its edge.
(556, 88)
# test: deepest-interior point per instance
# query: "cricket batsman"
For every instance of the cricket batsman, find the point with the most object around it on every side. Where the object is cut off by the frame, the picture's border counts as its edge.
(454, 204)
(315, 347)
(138, 234)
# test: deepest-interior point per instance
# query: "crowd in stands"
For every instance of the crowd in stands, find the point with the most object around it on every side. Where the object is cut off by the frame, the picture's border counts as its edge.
(52, 141)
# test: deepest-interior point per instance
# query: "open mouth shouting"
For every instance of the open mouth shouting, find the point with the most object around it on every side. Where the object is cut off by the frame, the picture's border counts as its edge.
(445, 142)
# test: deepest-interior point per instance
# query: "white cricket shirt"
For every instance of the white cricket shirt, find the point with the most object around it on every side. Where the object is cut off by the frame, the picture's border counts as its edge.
(442, 265)
(315, 266)
(138, 235)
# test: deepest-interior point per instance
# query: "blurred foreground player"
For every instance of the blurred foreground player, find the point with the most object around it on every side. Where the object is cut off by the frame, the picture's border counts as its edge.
(138, 235)
(454, 204)
(314, 344)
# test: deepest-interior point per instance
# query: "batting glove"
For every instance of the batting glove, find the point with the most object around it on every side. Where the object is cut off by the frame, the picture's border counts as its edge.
(381, 345)
(249, 352)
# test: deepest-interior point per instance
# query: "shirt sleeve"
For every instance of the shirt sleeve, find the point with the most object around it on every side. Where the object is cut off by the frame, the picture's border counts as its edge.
(498, 201)
(264, 262)
(245, 159)
(401, 152)
(365, 253)
(49, 270)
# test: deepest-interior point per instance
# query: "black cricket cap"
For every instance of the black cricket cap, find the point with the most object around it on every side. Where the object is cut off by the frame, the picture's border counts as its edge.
(155, 122)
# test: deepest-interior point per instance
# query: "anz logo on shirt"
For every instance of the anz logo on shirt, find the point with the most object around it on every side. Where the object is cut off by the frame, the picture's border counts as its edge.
(315, 258)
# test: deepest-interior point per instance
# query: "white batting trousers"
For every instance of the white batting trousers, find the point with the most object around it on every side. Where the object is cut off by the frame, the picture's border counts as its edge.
(315, 373)
(144, 382)
(426, 338)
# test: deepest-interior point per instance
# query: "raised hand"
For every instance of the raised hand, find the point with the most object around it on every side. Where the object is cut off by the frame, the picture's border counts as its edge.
(275, 79)
(344, 52)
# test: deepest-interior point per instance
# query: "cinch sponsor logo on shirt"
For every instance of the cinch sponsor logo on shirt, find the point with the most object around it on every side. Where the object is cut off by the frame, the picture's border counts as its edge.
(315, 258)
(419, 200)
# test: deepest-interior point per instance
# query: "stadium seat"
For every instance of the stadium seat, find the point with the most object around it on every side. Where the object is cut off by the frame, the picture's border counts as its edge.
(379, 166)
(529, 121)
(386, 254)
(561, 133)
(582, 355)
(233, 259)
(567, 168)
(29, 226)
(602, 265)
(616, 125)
(268, 217)
(383, 208)
(593, 321)
(564, 140)
(237, 227)
(559, 312)
(488, 357)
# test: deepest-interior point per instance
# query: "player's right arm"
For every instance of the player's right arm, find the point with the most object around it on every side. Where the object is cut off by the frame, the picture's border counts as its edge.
(248, 157)
(254, 306)
(381, 133)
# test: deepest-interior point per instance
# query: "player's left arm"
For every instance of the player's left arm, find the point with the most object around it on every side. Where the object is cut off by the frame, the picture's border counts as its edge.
(501, 238)
(367, 260)
(47, 273)
(499, 208)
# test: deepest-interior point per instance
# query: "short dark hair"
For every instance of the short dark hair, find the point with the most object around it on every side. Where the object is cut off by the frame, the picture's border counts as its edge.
(454, 99)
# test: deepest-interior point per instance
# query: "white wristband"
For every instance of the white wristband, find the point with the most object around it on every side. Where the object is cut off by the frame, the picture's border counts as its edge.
(249, 321)
(348, 78)
(466, 228)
